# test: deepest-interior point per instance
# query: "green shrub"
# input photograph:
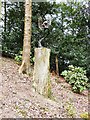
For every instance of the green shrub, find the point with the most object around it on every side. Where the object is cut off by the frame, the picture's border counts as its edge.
(18, 57)
(32, 59)
(76, 76)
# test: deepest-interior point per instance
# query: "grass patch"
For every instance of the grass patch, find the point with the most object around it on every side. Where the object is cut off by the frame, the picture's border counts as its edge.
(70, 109)
(84, 115)
(22, 112)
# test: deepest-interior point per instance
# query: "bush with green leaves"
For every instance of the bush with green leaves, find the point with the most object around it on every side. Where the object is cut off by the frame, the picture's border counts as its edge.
(18, 59)
(76, 77)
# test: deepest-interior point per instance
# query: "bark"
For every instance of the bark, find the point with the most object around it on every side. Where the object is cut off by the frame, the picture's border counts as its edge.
(5, 18)
(0, 10)
(41, 72)
(57, 69)
(26, 67)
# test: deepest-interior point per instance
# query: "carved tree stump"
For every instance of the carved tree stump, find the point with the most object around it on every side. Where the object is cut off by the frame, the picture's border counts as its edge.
(41, 72)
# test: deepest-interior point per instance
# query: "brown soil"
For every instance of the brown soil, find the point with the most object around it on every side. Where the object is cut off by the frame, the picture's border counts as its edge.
(18, 100)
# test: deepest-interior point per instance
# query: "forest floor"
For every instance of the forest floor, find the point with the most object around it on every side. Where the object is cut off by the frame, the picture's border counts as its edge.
(18, 100)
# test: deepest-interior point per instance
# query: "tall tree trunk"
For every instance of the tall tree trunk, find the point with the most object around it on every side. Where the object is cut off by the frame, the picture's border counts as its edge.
(57, 69)
(0, 10)
(26, 67)
(5, 18)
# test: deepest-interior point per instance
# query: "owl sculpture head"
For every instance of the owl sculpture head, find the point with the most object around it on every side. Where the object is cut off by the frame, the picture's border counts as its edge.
(44, 24)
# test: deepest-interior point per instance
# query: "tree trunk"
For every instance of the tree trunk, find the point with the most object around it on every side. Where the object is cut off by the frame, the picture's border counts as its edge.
(57, 69)
(41, 72)
(0, 10)
(26, 67)
(5, 17)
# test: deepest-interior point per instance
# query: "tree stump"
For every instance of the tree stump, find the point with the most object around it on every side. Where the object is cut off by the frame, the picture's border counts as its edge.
(41, 76)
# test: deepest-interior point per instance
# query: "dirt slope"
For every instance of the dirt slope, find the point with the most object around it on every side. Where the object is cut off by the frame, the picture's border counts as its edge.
(18, 100)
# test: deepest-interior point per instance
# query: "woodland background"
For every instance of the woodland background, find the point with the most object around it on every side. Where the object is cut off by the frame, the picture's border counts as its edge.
(68, 37)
